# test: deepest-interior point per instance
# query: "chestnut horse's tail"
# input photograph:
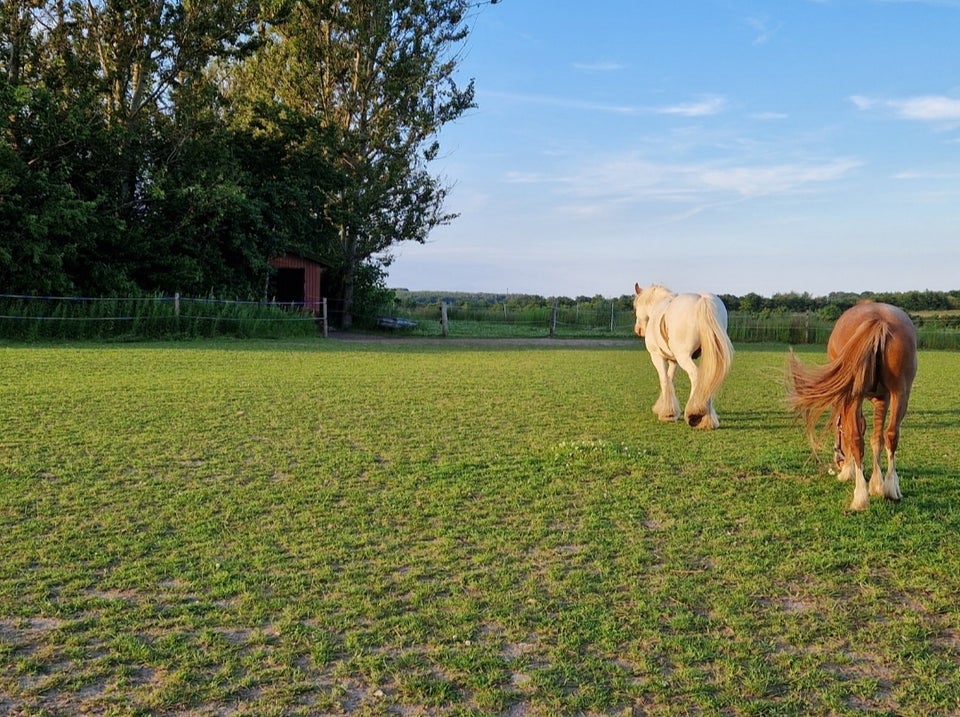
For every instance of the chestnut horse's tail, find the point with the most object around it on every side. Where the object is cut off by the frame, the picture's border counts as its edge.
(716, 353)
(844, 380)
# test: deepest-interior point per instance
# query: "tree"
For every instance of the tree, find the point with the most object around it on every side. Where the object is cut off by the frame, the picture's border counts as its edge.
(189, 224)
(116, 173)
(167, 145)
(377, 76)
(51, 151)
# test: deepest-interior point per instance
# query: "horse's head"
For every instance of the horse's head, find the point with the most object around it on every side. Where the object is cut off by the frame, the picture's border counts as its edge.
(641, 309)
(643, 302)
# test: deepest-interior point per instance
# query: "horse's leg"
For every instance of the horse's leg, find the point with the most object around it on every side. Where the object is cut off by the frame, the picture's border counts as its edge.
(703, 417)
(667, 406)
(898, 409)
(710, 419)
(876, 445)
(861, 494)
(839, 457)
(853, 429)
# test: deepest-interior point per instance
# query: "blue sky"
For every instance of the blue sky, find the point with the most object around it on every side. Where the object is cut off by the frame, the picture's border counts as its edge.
(718, 145)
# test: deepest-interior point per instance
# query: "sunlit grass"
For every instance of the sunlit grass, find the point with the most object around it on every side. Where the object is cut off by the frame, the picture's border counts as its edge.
(326, 527)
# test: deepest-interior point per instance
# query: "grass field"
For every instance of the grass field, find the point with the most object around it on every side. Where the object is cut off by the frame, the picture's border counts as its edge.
(411, 528)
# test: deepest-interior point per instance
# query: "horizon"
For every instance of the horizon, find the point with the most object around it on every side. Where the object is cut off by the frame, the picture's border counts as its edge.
(774, 295)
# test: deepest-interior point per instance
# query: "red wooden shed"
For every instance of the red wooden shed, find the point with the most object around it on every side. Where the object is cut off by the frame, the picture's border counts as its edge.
(297, 281)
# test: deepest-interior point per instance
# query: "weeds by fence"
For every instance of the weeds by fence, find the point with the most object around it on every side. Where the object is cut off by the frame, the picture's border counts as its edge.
(32, 318)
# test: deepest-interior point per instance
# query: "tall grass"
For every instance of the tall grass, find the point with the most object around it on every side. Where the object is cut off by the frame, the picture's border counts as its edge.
(29, 318)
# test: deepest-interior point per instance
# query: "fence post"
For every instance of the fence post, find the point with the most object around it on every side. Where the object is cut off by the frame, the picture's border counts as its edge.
(444, 325)
(613, 317)
(324, 317)
(553, 318)
(176, 304)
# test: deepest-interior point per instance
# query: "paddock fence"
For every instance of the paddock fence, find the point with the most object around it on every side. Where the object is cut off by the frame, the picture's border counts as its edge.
(613, 321)
(42, 318)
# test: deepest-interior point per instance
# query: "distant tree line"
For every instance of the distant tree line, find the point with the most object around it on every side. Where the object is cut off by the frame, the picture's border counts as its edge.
(836, 302)
(169, 146)
(827, 307)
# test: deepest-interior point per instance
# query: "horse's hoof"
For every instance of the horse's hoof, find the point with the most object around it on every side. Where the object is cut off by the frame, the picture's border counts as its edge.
(693, 420)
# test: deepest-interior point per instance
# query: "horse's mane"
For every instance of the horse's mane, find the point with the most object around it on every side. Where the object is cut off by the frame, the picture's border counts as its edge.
(654, 292)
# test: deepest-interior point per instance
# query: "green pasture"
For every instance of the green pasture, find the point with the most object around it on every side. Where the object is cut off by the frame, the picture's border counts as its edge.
(306, 527)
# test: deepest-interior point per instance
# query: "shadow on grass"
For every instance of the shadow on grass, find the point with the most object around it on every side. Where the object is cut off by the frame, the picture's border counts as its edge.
(927, 419)
(771, 420)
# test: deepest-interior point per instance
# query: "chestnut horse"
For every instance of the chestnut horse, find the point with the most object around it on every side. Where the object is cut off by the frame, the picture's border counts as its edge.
(872, 354)
(678, 328)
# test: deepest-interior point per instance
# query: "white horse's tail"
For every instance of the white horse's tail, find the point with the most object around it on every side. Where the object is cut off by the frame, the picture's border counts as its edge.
(716, 355)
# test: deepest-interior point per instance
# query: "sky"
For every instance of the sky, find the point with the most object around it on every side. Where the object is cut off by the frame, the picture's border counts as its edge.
(729, 146)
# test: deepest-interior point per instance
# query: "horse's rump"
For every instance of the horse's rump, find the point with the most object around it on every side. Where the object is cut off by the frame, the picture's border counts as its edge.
(840, 381)
(855, 371)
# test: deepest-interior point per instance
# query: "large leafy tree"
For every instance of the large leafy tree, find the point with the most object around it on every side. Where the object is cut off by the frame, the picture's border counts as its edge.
(51, 150)
(104, 104)
(378, 79)
(177, 145)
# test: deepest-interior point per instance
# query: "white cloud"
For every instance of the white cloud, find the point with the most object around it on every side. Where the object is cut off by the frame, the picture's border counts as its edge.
(775, 179)
(710, 105)
(763, 29)
(627, 181)
(920, 175)
(517, 177)
(926, 108)
(702, 107)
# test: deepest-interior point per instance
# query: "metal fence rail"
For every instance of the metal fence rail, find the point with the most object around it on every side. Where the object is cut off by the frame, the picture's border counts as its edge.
(24, 317)
(613, 322)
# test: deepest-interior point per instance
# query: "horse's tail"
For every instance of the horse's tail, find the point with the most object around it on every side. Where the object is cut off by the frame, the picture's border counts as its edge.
(843, 381)
(716, 353)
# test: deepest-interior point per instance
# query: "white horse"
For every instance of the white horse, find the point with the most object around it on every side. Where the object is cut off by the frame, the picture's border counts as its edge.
(677, 329)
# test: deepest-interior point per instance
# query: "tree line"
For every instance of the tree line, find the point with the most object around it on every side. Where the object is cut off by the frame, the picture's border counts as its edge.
(176, 146)
(827, 307)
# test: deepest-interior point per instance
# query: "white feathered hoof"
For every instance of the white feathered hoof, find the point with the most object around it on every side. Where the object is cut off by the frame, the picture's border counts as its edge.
(891, 487)
(702, 421)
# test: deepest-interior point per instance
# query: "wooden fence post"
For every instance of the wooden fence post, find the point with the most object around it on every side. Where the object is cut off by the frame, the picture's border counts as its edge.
(444, 325)
(324, 317)
(176, 304)
(553, 318)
